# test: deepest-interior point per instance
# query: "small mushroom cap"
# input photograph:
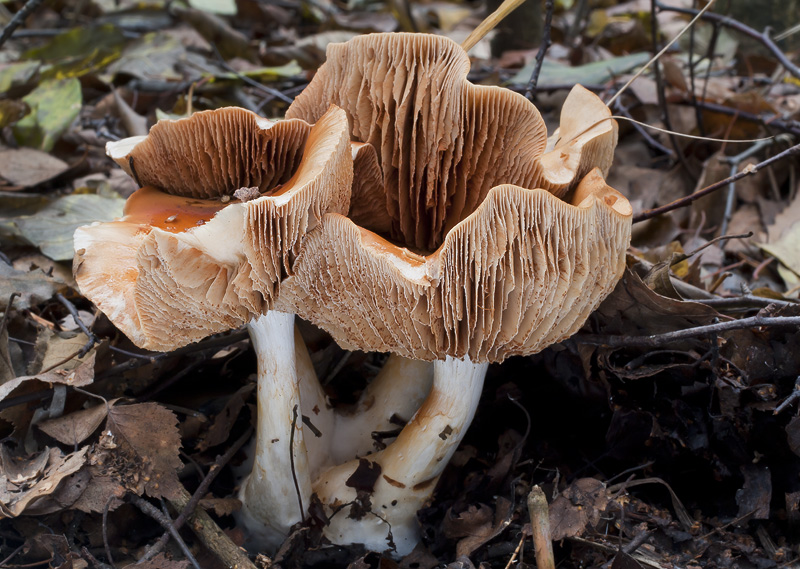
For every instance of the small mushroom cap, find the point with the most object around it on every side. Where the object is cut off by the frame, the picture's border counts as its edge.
(212, 153)
(523, 271)
(180, 265)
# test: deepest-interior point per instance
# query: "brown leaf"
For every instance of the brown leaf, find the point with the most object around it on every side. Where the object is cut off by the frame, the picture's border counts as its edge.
(20, 415)
(26, 484)
(221, 506)
(26, 167)
(578, 506)
(101, 490)
(478, 525)
(146, 434)
(76, 427)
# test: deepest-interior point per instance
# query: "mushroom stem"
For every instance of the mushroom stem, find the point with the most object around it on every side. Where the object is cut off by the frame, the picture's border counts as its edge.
(409, 467)
(278, 490)
(316, 411)
(387, 403)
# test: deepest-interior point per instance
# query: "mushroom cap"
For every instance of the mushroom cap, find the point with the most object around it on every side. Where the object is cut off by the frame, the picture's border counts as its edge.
(496, 245)
(523, 271)
(183, 263)
(442, 143)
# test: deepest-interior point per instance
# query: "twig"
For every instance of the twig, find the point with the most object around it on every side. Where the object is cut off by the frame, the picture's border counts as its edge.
(734, 161)
(105, 531)
(743, 301)
(683, 256)
(96, 563)
(546, 43)
(692, 80)
(490, 22)
(540, 525)
(201, 491)
(92, 339)
(28, 9)
(655, 340)
(252, 82)
(516, 552)
(793, 396)
(682, 202)
(212, 537)
(762, 37)
(13, 554)
(291, 462)
(166, 523)
(662, 95)
(3, 324)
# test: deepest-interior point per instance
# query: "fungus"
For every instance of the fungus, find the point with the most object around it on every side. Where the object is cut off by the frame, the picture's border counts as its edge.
(226, 199)
(484, 244)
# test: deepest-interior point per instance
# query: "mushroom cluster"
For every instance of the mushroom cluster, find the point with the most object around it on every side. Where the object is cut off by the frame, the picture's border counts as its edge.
(401, 209)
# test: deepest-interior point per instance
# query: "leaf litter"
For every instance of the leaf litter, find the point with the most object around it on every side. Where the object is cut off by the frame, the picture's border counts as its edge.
(682, 453)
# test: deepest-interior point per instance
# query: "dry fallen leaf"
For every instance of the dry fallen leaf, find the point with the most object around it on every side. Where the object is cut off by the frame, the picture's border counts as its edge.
(26, 483)
(578, 506)
(146, 435)
(76, 427)
(478, 525)
(221, 506)
(26, 167)
(78, 377)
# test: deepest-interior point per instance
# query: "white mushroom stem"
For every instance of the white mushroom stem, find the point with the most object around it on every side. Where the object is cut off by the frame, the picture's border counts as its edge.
(280, 481)
(410, 466)
(315, 407)
(388, 402)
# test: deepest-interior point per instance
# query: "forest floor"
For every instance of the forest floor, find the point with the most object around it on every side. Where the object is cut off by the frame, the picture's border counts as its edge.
(664, 434)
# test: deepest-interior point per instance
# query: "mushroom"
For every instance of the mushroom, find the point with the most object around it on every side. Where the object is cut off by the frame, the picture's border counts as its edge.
(189, 259)
(484, 245)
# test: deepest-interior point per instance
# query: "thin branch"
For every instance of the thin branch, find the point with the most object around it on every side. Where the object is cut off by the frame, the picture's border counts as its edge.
(159, 516)
(105, 531)
(546, 43)
(291, 462)
(762, 37)
(682, 202)
(734, 161)
(744, 301)
(28, 9)
(655, 340)
(490, 22)
(661, 92)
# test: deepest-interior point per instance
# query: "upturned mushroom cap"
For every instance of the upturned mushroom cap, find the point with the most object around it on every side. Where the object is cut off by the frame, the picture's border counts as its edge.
(186, 260)
(484, 257)
(523, 271)
(443, 142)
